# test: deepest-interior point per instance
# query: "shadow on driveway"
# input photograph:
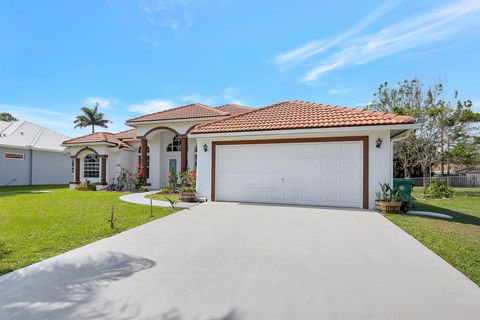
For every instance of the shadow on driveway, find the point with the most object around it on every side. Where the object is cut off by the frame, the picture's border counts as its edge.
(57, 290)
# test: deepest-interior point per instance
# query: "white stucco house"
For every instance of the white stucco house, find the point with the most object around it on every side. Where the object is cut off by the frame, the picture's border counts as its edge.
(292, 152)
(32, 155)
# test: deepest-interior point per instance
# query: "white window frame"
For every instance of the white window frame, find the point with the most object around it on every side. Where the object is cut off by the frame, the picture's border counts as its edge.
(92, 167)
(175, 145)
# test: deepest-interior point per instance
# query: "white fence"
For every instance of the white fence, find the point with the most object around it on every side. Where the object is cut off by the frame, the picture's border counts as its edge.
(471, 180)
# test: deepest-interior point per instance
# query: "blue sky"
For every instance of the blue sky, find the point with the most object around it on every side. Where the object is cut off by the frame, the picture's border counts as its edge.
(139, 56)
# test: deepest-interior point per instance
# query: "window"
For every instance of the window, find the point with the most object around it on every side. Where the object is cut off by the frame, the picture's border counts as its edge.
(148, 160)
(195, 150)
(175, 146)
(15, 156)
(91, 166)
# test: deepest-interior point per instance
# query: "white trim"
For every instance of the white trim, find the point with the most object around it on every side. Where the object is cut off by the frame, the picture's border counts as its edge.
(310, 130)
(48, 150)
(133, 124)
(31, 148)
(13, 146)
(88, 144)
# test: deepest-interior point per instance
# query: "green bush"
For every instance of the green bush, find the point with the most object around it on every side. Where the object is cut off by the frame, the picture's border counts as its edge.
(87, 186)
(437, 190)
(165, 190)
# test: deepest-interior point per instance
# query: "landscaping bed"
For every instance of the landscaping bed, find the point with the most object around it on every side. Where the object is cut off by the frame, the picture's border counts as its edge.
(164, 196)
(457, 240)
(35, 226)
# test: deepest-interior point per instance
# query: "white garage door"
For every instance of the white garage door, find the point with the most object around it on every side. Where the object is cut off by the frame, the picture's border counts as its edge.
(313, 173)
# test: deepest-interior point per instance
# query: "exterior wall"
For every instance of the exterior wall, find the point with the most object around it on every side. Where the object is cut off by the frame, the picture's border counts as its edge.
(380, 161)
(51, 167)
(38, 167)
(118, 159)
(11, 169)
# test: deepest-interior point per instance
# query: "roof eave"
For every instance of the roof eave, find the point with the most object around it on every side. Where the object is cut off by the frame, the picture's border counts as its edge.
(134, 123)
(407, 126)
(82, 144)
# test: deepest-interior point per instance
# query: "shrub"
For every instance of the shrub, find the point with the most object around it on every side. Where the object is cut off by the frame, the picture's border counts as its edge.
(165, 190)
(172, 180)
(437, 190)
(86, 186)
(143, 189)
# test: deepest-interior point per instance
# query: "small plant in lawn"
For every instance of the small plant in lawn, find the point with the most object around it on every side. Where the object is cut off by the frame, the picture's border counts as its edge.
(173, 202)
(438, 190)
(86, 186)
(112, 219)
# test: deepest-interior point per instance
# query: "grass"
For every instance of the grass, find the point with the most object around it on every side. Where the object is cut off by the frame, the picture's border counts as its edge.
(457, 240)
(36, 226)
(164, 196)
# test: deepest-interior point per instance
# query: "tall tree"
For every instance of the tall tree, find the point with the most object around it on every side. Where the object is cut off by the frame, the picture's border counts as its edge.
(91, 117)
(441, 122)
(5, 116)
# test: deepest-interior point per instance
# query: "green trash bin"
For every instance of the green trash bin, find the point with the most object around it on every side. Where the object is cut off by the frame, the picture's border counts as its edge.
(405, 187)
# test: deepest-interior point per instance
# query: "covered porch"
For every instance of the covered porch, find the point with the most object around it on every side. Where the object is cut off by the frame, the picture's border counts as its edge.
(163, 149)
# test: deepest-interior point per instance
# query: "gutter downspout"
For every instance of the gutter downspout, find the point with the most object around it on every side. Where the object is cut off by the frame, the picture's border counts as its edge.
(30, 181)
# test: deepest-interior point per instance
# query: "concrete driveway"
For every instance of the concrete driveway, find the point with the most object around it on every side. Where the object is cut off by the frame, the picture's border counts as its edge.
(236, 261)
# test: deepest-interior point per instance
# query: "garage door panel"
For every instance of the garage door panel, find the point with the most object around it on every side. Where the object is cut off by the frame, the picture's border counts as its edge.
(323, 173)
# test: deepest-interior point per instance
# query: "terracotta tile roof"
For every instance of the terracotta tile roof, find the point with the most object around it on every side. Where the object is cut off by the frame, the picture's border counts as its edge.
(127, 134)
(301, 115)
(234, 109)
(190, 111)
(106, 137)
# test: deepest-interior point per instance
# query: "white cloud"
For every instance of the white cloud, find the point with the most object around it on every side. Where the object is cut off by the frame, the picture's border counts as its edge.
(316, 47)
(102, 102)
(173, 14)
(151, 106)
(412, 32)
(229, 96)
(147, 40)
(339, 91)
(195, 98)
(236, 101)
(54, 120)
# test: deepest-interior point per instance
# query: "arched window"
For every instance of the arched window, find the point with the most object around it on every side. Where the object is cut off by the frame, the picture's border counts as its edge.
(148, 160)
(175, 146)
(91, 166)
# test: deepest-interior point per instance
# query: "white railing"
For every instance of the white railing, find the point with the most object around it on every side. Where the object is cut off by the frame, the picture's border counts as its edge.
(471, 180)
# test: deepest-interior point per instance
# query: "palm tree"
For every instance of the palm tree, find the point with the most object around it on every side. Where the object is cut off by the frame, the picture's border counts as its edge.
(91, 117)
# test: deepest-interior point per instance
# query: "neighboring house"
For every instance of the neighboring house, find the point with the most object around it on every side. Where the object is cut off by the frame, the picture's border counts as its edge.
(292, 152)
(30, 154)
(469, 171)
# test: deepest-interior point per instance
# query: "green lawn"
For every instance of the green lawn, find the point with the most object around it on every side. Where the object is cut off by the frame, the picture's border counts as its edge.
(36, 226)
(458, 240)
(164, 196)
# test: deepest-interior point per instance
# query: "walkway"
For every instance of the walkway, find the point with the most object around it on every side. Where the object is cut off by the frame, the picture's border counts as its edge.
(139, 198)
